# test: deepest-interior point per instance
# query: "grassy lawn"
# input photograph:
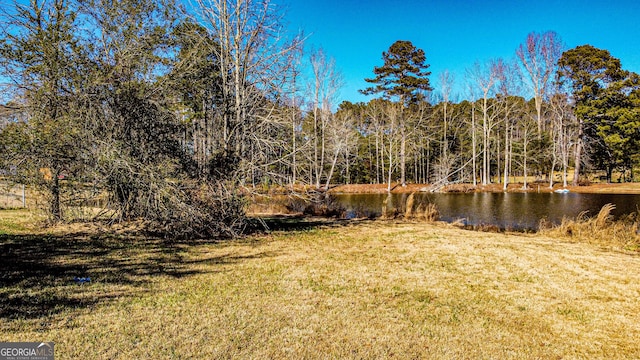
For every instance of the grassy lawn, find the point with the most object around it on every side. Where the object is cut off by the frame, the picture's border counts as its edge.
(363, 290)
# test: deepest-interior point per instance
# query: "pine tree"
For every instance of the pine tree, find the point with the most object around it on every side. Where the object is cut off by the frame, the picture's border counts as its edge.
(404, 77)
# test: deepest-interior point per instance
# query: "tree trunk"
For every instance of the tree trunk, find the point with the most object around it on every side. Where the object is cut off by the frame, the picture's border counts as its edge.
(323, 144)
(293, 141)
(390, 171)
(403, 145)
(382, 160)
(578, 156)
(565, 159)
(538, 103)
(333, 166)
(316, 104)
(498, 159)
(389, 176)
(524, 185)
(554, 159)
(445, 145)
(415, 167)
(506, 157)
(377, 160)
(428, 172)
(56, 210)
(485, 144)
(473, 145)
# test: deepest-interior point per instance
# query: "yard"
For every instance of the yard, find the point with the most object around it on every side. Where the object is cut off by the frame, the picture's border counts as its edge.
(371, 289)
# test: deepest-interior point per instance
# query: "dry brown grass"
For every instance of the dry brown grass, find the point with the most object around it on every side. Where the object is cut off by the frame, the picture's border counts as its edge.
(427, 212)
(409, 204)
(396, 188)
(422, 211)
(431, 212)
(388, 210)
(459, 188)
(600, 230)
(367, 290)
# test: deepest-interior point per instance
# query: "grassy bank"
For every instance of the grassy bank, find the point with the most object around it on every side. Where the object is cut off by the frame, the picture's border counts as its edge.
(357, 290)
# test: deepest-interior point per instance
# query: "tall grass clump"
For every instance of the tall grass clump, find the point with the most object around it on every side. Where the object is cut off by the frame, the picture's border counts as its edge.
(388, 210)
(427, 212)
(408, 213)
(601, 229)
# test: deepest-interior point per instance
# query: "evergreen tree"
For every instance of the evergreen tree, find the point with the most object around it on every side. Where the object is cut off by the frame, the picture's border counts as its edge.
(40, 54)
(403, 76)
(600, 90)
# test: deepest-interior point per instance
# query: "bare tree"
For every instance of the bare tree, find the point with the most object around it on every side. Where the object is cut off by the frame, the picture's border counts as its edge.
(327, 81)
(393, 113)
(472, 130)
(564, 131)
(484, 78)
(375, 112)
(295, 113)
(526, 128)
(508, 85)
(423, 130)
(340, 136)
(539, 56)
(253, 60)
(446, 84)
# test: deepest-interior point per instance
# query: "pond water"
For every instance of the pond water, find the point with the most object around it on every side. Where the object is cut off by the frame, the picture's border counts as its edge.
(515, 211)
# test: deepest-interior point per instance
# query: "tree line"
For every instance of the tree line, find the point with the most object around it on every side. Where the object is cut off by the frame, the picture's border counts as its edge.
(582, 115)
(171, 114)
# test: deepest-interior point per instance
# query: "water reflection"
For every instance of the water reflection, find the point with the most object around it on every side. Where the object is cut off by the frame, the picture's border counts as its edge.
(517, 211)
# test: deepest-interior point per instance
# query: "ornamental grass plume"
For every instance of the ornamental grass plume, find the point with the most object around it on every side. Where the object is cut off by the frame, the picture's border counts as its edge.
(600, 230)
(408, 213)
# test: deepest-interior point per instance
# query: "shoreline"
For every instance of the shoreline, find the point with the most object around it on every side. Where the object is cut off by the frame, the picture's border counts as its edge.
(622, 188)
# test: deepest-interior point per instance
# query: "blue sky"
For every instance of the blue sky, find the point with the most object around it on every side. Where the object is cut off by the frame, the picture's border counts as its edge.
(454, 34)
